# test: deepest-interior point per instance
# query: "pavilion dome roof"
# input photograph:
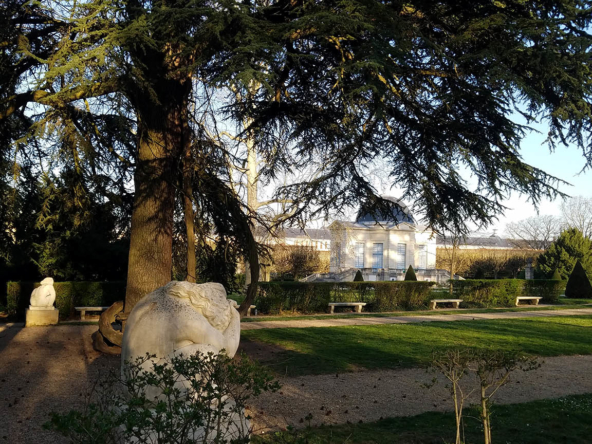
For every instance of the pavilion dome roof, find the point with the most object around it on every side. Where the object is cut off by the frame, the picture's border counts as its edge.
(397, 216)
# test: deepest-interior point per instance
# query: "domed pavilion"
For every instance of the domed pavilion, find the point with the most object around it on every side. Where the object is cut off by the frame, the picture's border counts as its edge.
(383, 246)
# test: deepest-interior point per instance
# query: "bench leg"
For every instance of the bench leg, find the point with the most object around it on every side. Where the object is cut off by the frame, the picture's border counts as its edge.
(455, 304)
(517, 302)
(332, 309)
(432, 305)
(82, 315)
(536, 301)
(248, 311)
(358, 309)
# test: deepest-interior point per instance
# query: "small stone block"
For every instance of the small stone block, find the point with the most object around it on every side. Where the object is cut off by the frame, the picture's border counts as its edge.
(42, 317)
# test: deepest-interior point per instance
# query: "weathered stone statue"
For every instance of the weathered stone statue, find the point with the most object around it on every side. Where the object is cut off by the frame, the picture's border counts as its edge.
(41, 310)
(183, 318)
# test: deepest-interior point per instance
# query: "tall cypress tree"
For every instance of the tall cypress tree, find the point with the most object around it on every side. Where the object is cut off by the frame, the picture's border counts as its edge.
(107, 87)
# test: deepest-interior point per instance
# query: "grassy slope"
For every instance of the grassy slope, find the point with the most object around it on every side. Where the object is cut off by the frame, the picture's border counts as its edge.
(565, 420)
(338, 349)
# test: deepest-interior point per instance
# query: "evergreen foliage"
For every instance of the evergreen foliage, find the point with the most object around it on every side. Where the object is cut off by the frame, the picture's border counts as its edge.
(570, 247)
(578, 285)
(52, 236)
(123, 89)
(410, 274)
(314, 297)
(479, 274)
(556, 276)
(503, 292)
(359, 277)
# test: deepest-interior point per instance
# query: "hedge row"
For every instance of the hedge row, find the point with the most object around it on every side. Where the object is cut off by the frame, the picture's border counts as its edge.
(304, 297)
(503, 292)
(68, 295)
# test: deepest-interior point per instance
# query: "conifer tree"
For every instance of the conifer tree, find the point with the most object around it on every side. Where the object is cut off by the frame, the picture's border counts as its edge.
(570, 247)
(410, 274)
(358, 277)
(109, 88)
(578, 285)
(556, 276)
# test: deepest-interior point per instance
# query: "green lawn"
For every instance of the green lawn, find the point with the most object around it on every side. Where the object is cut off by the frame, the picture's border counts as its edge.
(564, 420)
(338, 349)
(570, 301)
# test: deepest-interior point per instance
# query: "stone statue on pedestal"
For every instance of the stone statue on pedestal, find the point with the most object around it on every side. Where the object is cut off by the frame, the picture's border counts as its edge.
(41, 310)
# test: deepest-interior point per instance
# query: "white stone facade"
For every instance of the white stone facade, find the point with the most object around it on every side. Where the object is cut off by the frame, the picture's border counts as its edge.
(376, 247)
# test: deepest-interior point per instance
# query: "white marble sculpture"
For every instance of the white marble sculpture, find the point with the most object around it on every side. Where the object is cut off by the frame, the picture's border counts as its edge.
(183, 318)
(41, 310)
(43, 296)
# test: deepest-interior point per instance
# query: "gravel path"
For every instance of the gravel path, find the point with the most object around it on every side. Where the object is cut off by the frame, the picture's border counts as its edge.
(303, 323)
(45, 369)
(371, 395)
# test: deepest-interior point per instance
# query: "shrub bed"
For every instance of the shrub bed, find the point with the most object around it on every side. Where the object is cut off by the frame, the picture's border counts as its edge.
(310, 297)
(68, 295)
(503, 292)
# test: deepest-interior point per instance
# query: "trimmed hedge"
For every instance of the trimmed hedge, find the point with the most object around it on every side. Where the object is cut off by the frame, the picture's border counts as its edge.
(314, 297)
(302, 297)
(68, 295)
(503, 292)
(548, 289)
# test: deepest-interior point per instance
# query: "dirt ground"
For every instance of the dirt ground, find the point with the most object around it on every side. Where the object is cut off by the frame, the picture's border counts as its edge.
(371, 395)
(45, 369)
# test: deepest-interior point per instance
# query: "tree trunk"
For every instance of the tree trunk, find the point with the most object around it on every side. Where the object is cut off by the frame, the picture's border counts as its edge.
(188, 207)
(160, 149)
(452, 264)
(457, 411)
(151, 241)
(485, 417)
(253, 260)
(252, 200)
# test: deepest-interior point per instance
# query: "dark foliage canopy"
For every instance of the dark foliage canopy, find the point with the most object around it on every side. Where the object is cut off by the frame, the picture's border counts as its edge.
(115, 89)
(578, 285)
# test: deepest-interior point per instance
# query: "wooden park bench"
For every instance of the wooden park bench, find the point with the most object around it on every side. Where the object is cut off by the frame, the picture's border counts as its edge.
(357, 305)
(534, 299)
(455, 302)
(83, 310)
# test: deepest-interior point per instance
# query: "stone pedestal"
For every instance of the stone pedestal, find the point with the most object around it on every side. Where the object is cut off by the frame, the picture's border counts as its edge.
(41, 316)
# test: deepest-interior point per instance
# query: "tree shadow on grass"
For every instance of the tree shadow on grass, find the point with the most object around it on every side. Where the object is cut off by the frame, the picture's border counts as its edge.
(301, 351)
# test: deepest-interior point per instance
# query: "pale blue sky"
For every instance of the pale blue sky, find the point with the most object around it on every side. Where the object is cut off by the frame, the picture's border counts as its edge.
(565, 163)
